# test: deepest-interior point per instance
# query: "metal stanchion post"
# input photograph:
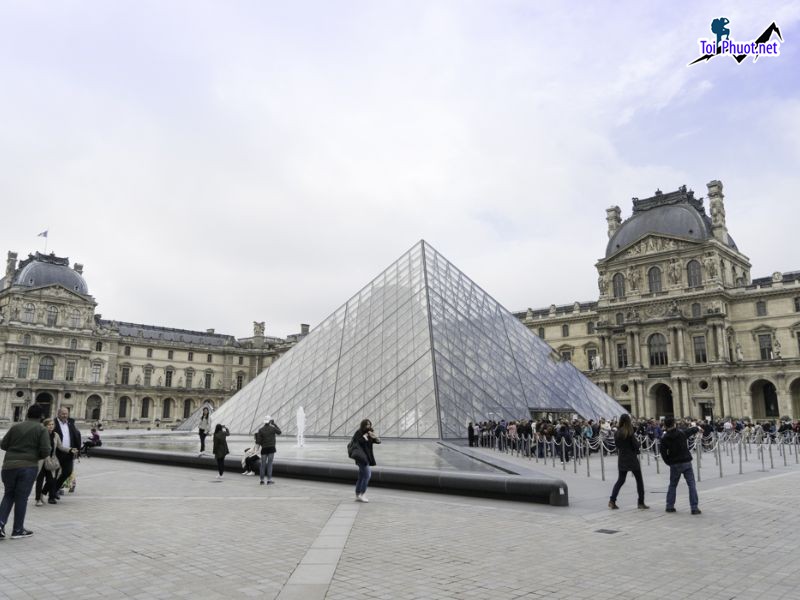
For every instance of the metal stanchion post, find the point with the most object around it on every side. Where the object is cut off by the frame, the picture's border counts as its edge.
(796, 459)
(761, 451)
(602, 459)
(553, 450)
(575, 455)
(719, 456)
(588, 454)
(740, 457)
(771, 461)
(698, 447)
(783, 451)
(658, 462)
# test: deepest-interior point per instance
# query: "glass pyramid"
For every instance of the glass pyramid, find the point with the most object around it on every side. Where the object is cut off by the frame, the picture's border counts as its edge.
(420, 351)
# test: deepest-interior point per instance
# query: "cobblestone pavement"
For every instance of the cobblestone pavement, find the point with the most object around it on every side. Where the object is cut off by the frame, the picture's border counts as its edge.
(144, 531)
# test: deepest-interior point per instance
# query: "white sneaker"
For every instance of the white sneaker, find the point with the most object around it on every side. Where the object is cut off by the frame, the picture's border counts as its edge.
(219, 476)
(361, 498)
(245, 473)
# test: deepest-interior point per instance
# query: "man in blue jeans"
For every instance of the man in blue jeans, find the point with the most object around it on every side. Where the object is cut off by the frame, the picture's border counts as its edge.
(25, 444)
(675, 452)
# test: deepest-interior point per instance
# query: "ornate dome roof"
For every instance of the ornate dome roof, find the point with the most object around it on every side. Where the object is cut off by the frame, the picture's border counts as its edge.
(676, 214)
(43, 269)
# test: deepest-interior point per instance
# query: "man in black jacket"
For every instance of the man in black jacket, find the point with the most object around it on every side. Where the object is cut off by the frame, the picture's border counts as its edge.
(71, 440)
(675, 452)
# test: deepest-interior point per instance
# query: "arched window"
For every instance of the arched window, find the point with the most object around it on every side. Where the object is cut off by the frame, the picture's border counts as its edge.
(590, 327)
(123, 407)
(26, 339)
(541, 332)
(761, 308)
(98, 347)
(565, 330)
(126, 350)
(145, 414)
(75, 319)
(52, 316)
(28, 313)
(696, 310)
(658, 350)
(166, 411)
(46, 367)
(620, 319)
(97, 370)
(73, 344)
(694, 274)
(619, 285)
(654, 279)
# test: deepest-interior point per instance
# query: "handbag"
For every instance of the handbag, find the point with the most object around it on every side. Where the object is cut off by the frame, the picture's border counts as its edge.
(51, 464)
(356, 452)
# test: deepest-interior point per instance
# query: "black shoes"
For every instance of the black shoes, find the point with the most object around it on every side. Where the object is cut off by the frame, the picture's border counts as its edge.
(22, 533)
(612, 504)
(52, 501)
(643, 506)
(697, 511)
(670, 510)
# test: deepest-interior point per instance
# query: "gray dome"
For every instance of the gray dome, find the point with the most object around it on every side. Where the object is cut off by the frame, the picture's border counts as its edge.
(683, 219)
(38, 273)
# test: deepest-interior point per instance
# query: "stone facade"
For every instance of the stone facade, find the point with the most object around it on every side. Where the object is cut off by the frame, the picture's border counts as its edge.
(679, 327)
(56, 351)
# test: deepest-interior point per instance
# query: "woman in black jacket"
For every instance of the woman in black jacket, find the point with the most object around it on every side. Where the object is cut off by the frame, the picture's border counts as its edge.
(221, 447)
(627, 460)
(363, 440)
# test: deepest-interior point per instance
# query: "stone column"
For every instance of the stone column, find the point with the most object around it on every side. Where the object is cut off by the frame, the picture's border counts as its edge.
(603, 353)
(638, 346)
(718, 335)
(671, 345)
(681, 346)
(687, 402)
(725, 397)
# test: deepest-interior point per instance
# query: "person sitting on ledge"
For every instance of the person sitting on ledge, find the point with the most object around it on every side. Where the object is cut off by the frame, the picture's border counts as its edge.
(93, 441)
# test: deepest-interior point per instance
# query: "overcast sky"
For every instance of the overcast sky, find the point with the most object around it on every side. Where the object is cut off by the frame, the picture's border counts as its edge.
(216, 163)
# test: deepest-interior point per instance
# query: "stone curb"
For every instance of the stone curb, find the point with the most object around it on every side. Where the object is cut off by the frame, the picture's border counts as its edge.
(506, 487)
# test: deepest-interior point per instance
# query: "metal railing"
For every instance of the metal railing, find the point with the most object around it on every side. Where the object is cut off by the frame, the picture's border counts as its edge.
(581, 451)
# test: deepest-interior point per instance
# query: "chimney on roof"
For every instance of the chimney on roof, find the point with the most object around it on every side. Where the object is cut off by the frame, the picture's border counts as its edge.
(78, 268)
(11, 268)
(613, 219)
(304, 329)
(210, 331)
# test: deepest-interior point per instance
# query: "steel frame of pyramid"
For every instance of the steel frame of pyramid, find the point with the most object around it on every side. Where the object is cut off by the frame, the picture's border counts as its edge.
(420, 351)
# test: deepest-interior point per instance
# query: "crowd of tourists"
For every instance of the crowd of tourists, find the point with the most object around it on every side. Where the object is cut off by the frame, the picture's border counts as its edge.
(40, 456)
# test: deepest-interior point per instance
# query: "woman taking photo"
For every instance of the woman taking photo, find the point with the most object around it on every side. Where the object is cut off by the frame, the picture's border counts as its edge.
(46, 480)
(205, 428)
(221, 448)
(627, 460)
(360, 450)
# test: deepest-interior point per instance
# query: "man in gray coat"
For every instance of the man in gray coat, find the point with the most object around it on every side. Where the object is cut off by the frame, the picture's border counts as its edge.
(265, 437)
(25, 444)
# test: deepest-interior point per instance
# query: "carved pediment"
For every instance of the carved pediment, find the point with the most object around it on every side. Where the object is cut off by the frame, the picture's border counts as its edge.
(652, 244)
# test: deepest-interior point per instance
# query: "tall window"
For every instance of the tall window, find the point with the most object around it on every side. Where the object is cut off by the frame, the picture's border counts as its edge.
(168, 378)
(73, 344)
(590, 327)
(149, 353)
(170, 354)
(126, 375)
(46, 367)
(619, 285)
(96, 369)
(620, 319)
(70, 372)
(52, 316)
(26, 339)
(622, 356)
(98, 347)
(148, 375)
(566, 355)
(166, 411)
(654, 279)
(565, 330)
(239, 381)
(146, 408)
(591, 356)
(189, 377)
(658, 350)
(700, 355)
(22, 367)
(190, 357)
(28, 313)
(694, 274)
(797, 304)
(765, 346)
(208, 381)
(187, 408)
(75, 319)
(761, 308)
(696, 310)
(127, 351)
(123, 407)
(209, 357)
(241, 360)
(541, 332)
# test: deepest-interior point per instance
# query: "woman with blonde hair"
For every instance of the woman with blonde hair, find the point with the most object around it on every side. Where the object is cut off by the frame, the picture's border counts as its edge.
(627, 461)
(46, 480)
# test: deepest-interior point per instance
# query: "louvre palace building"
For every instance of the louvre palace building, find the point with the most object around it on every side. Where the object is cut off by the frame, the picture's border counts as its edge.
(680, 327)
(55, 350)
